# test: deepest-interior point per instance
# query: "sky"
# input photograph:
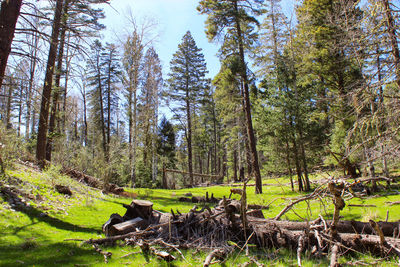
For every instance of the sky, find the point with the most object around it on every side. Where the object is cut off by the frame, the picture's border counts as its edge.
(174, 19)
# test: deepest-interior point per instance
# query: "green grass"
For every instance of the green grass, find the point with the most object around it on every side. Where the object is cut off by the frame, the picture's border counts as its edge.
(27, 238)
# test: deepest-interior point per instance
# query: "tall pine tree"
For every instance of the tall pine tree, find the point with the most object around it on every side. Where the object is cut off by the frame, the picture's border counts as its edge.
(186, 83)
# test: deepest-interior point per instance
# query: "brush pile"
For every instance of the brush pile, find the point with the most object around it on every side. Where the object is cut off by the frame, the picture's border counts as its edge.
(212, 228)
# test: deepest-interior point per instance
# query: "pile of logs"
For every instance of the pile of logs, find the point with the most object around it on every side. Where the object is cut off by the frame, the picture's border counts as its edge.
(212, 227)
(92, 181)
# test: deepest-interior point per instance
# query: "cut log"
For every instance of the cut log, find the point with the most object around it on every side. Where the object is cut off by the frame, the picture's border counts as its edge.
(127, 227)
(138, 208)
(115, 218)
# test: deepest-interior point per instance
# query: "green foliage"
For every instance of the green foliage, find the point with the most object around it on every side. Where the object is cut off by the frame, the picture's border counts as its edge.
(11, 146)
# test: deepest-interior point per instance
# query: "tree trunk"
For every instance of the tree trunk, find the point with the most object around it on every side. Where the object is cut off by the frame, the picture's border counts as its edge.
(304, 159)
(297, 163)
(289, 165)
(8, 107)
(189, 139)
(249, 123)
(235, 165)
(33, 63)
(9, 14)
(103, 126)
(56, 92)
(48, 82)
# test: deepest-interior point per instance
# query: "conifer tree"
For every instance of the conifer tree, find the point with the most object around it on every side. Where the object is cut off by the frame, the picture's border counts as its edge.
(234, 21)
(186, 83)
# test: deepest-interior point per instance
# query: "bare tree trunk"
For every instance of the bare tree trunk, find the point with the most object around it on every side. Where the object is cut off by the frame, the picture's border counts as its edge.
(382, 121)
(33, 63)
(134, 144)
(304, 159)
(103, 126)
(45, 103)
(249, 123)
(21, 89)
(289, 165)
(297, 162)
(235, 165)
(9, 14)
(246, 140)
(85, 114)
(8, 106)
(189, 139)
(57, 89)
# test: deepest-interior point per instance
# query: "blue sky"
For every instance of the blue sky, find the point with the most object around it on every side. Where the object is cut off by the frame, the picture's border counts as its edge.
(174, 18)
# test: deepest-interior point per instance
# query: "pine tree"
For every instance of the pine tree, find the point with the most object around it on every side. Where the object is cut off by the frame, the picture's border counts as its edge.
(47, 87)
(186, 83)
(235, 22)
(148, 110)
(96, 81)
(166, 147)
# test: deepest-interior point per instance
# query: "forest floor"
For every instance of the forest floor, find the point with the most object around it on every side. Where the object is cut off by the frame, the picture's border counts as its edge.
(34, 232)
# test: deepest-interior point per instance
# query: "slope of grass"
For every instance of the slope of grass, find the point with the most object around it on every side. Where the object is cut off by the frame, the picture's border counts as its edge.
(35, 235)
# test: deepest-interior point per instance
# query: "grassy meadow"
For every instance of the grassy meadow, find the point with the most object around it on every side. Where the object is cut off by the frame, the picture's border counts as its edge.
(35, 236)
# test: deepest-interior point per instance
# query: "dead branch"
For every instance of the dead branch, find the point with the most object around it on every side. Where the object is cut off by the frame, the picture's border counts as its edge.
(219, 253)
(334, 256)
(288, 207)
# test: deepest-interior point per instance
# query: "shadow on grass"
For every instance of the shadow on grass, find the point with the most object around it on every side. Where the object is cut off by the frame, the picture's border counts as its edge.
(37, 216)
(56, 254)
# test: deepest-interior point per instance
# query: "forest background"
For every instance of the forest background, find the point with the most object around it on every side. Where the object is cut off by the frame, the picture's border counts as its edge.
(292, 95)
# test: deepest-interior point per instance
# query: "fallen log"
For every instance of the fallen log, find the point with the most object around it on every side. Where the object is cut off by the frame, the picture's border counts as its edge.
(388, 228)
(81, 177)
(127, 227)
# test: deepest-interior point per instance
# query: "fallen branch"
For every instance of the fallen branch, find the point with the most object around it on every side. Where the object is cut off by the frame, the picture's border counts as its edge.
(106, 254)
(362, 205)
(219, 253)
(393, 203)
(288, 207)
(334, 256)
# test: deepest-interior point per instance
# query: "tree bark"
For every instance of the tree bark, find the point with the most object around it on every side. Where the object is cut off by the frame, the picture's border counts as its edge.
(8, 106)
(9, 14)
(189, 139)
(56, 92)
(48, 82)
(247, 105)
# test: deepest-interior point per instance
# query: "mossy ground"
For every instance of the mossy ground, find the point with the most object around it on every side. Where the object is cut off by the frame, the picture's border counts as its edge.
(28, 237)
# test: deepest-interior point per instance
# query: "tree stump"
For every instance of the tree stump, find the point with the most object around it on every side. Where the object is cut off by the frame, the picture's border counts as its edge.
(138, 208)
